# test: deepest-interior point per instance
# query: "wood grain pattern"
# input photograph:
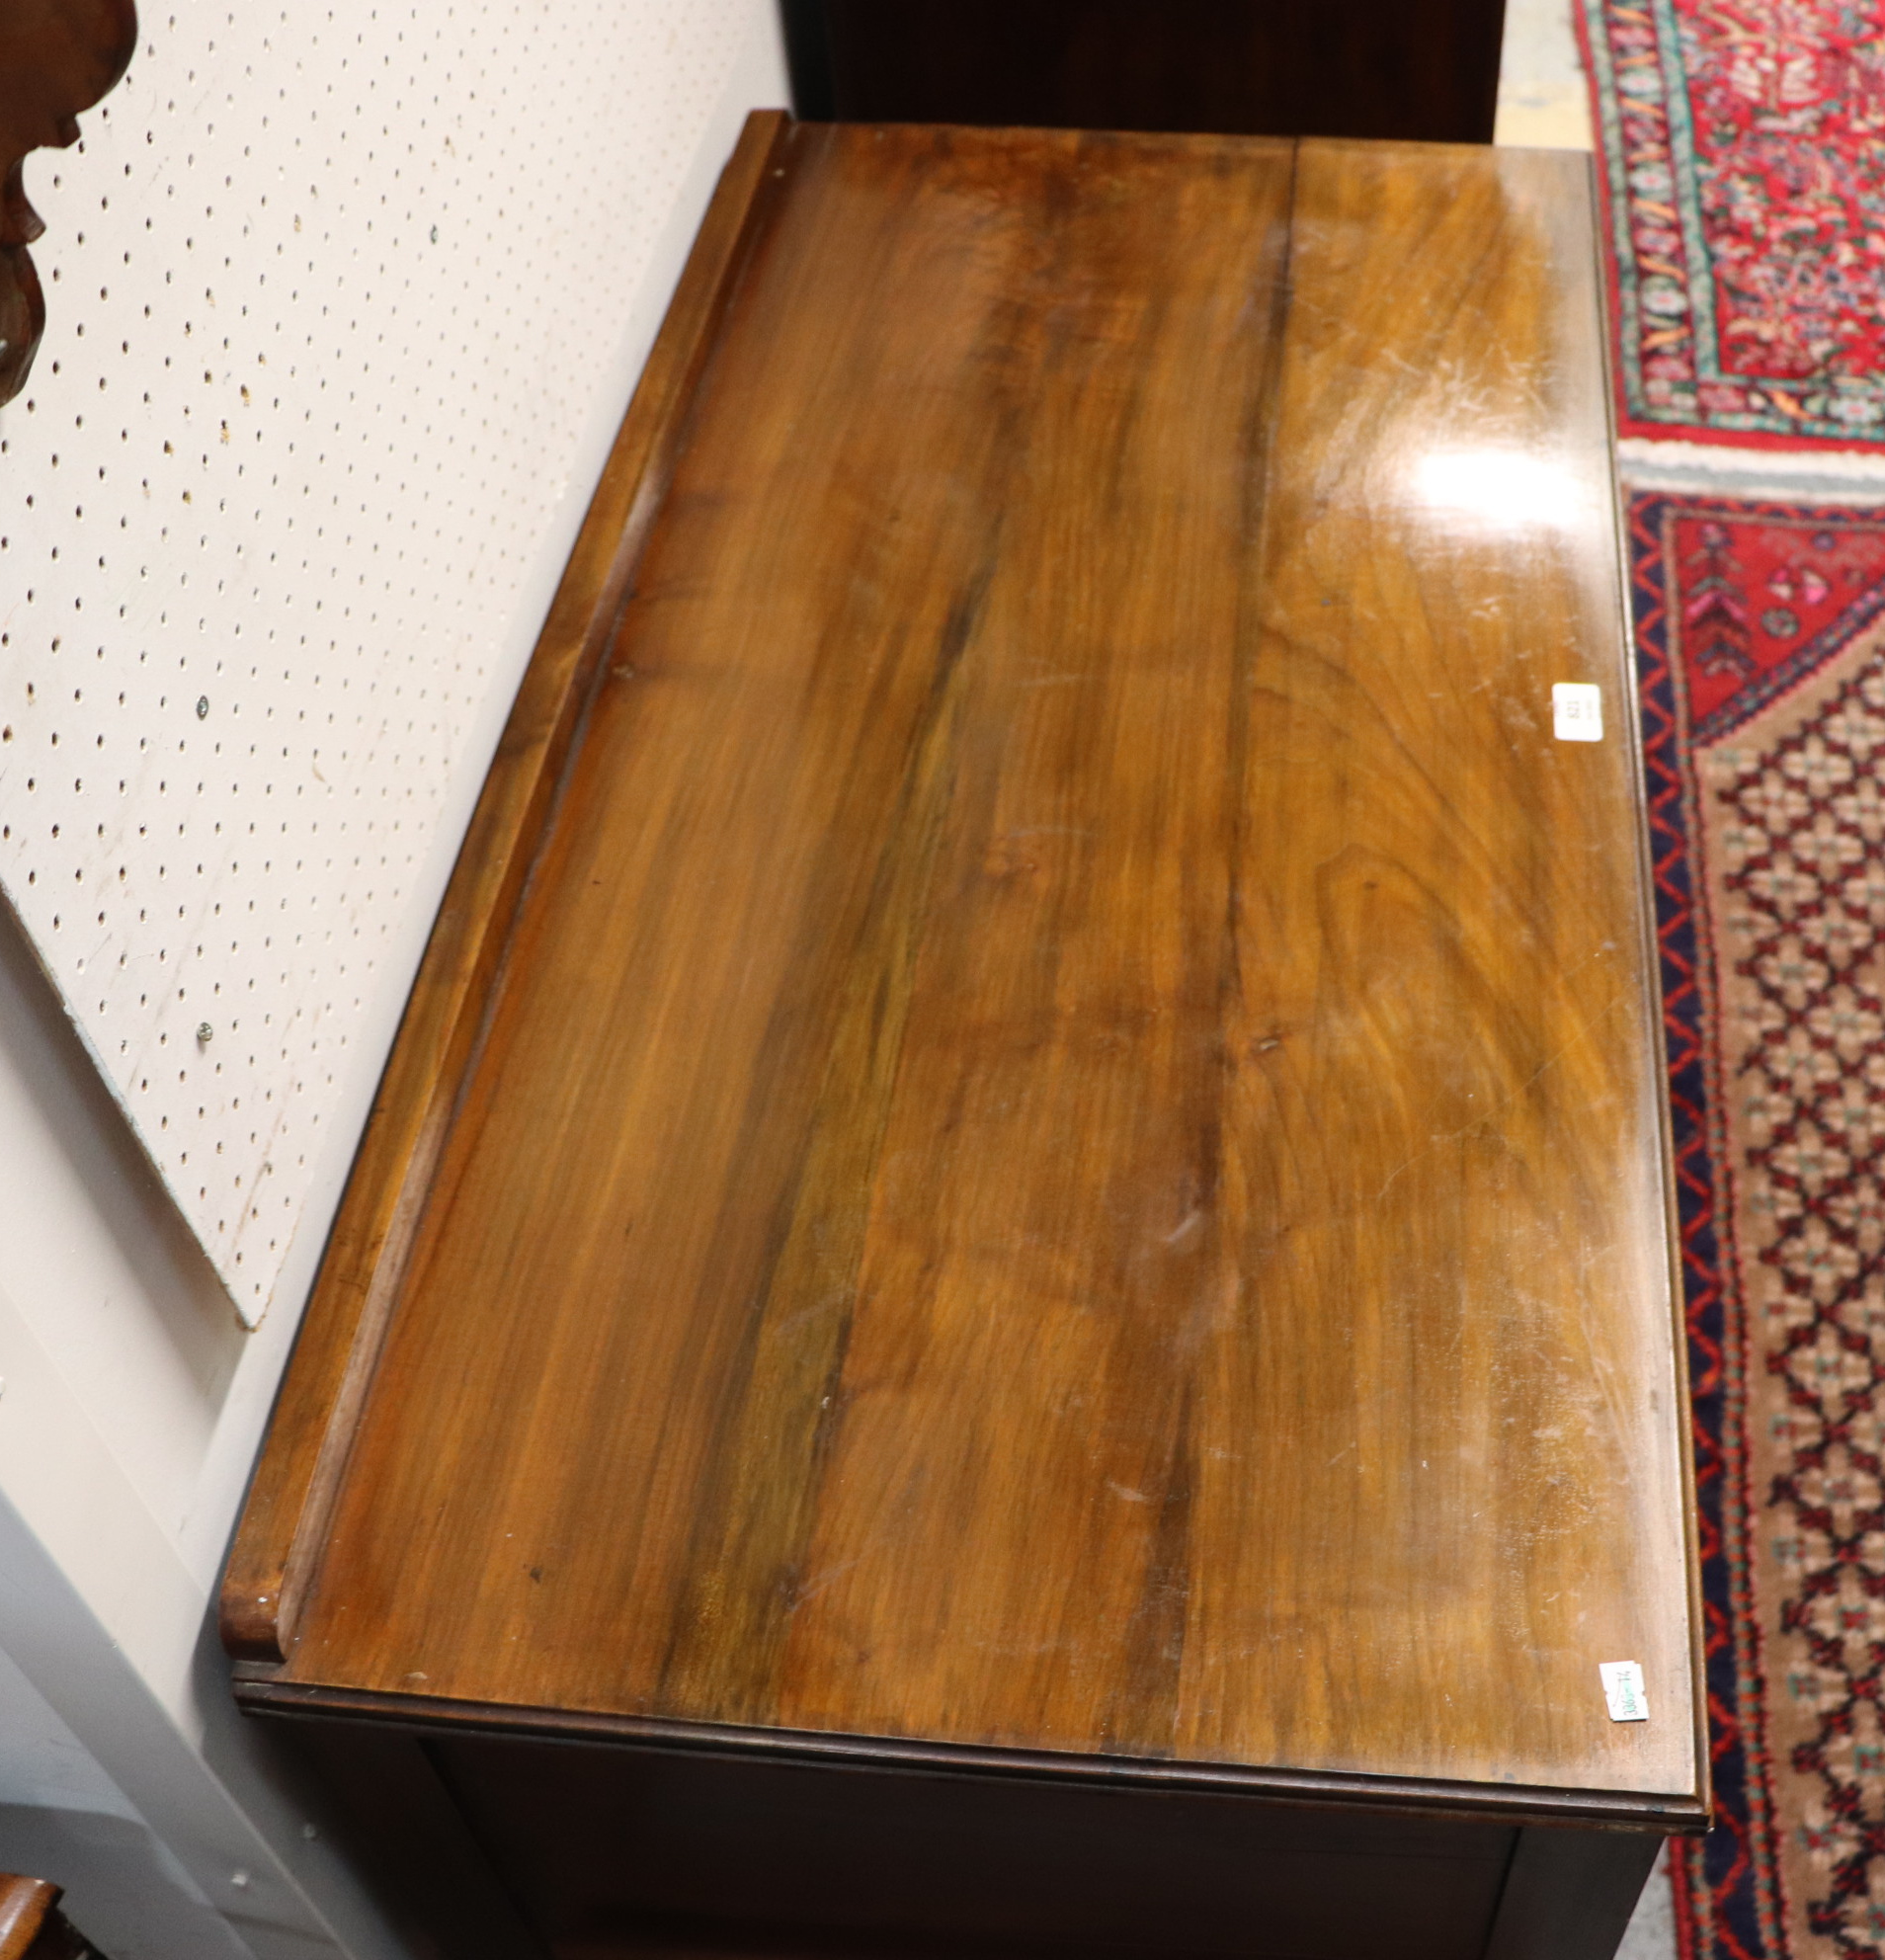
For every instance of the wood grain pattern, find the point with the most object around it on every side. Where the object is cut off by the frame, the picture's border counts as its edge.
(1067, 1155)
(311, 1431)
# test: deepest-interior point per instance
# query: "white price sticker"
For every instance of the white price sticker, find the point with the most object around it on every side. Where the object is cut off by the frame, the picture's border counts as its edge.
(1576, 711)
(1623, 1690)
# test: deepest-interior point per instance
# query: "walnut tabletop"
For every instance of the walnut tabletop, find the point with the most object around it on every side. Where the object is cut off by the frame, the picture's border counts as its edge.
(1033, 1134)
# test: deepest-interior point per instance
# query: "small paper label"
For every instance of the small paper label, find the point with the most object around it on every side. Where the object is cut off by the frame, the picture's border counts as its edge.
(1576, 711)
(1623, 1690)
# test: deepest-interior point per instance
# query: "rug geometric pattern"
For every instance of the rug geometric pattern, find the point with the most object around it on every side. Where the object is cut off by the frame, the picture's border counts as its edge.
(1760, 637)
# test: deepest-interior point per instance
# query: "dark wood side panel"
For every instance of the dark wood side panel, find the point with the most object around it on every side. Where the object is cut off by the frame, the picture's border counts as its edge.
(646, 1852)
(490, 1847)
(1571, 1893)
(435, 1881)
(311, 1431)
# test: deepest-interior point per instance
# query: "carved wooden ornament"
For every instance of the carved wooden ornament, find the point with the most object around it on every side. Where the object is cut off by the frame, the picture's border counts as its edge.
(57, 57)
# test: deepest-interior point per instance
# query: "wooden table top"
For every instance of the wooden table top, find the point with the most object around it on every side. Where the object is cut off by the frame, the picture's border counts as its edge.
(1062, 1153)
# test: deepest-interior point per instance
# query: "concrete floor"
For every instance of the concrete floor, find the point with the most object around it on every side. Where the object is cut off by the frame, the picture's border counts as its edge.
(1543, 103)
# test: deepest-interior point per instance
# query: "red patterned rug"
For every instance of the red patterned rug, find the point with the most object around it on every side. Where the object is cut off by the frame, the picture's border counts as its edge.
(1761, 634)
(1742, 157)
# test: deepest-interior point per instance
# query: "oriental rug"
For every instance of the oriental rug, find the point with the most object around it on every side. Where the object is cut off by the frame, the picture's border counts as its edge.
(1742, 160)
(1760, 636)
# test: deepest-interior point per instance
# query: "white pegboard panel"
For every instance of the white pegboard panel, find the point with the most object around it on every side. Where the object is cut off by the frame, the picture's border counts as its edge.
(329, 289)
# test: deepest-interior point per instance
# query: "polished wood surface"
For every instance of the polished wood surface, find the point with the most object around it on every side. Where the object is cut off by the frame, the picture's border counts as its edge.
(1407, 70)
(31, 1927)
(292, 1497)
(57, 59)
(25, 1905)
(1064, 1158)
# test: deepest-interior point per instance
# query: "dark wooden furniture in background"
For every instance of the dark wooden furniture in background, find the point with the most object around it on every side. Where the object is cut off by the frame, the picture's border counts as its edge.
(31, 1927)
(1011, 1292)
(1407, 70)
(57, 59)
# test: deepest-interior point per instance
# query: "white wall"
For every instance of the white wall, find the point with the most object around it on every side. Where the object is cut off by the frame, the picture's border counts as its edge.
(133, 1396)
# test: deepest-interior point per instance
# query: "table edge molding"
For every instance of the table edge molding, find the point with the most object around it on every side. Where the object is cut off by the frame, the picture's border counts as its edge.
(278, 1544)
(260, 1691)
